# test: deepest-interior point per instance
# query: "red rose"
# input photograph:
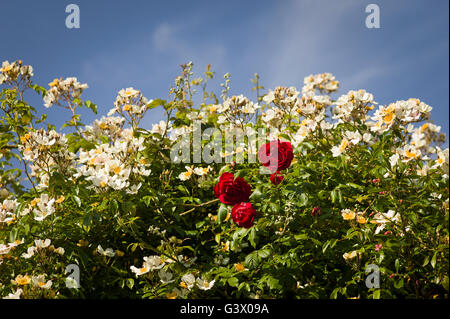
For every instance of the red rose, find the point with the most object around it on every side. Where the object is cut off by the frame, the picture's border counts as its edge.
(276, 179)
(316, 211)
(231, 191)
(243, 214)
(276, 155)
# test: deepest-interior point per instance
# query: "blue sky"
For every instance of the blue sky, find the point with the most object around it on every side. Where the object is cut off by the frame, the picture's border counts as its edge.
(142, 43)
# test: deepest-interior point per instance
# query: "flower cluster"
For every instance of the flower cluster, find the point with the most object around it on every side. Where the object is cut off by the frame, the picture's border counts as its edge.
(6, 248)
(63, 91)
(130, 104)
(46, 151)
(324, 82)
(9, 72)
(236, 192)
(42, 206)
(150, 263)
(109, 126)
(423, 136)
(190, 171)
(113, 166)
(39, 245)
(354, 106)
(8, 210)
(400, 112)
(283, 97)
(238, 110)
(350, 139)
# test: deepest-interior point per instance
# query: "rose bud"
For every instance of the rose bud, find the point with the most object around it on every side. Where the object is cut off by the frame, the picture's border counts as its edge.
(276, 179)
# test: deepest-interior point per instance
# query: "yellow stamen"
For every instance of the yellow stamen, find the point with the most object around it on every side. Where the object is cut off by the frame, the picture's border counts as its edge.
(361, 220)
(410, 154)
(53, 83)
(172, 295)
(348, 215)
(388, 118)
(344, 145)
(60, 199)
(239, 267)
(35, 201)
(23, 280)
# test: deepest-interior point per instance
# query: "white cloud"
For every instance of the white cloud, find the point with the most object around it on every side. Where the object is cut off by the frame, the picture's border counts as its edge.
(168, 38)
(314, 37)
(163, 37)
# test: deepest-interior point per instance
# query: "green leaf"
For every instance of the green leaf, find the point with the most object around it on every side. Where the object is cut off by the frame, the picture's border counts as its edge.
(398, 283)
(199, 224)
(426, 261)
(264, 253)
(252, 237)
(77, 200)
(256, 195)
(333, 195)
(222, 214)
(241, 173)
(251, 261)
(325, 246)
(377, 294)
(233, 281)
(87, 222)
(130, 283)
(445, 283)
(217, 238)
(155, 103)
(273, 283)
(340, 197)
(334, 294)
(114, 206)
(355, 186)
(397, 265)
(433, 260)
(275, 207)
(13, 235)
(308, 145)
(303, 200)
(91, 106)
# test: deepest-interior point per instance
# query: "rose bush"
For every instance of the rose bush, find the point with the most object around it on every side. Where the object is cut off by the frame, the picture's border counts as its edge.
(107, 210)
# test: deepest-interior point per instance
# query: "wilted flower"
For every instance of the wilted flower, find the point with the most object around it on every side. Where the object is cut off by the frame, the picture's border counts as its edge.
(108, 252)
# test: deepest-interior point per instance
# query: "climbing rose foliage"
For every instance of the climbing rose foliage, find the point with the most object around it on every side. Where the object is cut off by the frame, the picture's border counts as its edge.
(339, 183)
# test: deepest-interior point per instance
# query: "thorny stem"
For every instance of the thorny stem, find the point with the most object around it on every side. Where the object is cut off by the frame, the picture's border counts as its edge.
(199, 205)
